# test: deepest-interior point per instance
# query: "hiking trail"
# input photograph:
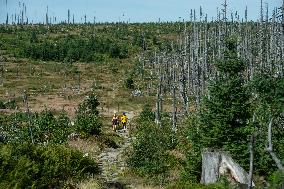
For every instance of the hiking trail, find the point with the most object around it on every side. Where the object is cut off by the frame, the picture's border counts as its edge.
(111, 160)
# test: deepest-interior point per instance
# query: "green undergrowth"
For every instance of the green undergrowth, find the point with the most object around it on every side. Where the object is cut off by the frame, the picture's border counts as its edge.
(150, 156)
(33, 152)
(36, 166)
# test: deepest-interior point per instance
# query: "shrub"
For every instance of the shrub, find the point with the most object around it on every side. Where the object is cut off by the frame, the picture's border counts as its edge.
(146, 114)
(42, 127)
(87, 117)
(276, 180)
(47, 128)
(11, 104)
(89, 105)
(114, 68)
(150, 151)
(2, 105)
(88, 125)
(129, 83)
(35, 166)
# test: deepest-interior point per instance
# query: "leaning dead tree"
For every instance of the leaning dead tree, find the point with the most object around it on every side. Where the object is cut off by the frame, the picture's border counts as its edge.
(270, 147)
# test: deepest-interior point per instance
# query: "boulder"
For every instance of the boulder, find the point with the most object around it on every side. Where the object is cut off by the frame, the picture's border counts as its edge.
(136, 93)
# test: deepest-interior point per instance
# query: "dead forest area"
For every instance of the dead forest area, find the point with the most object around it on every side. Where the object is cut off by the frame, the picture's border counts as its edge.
(205, 101)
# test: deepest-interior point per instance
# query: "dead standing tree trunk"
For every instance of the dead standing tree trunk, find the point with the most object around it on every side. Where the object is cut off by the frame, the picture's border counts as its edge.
(184, 74)
(282, 41)
(224, 10)
(283, 18)
(68, 16)
(2, 69)
(251, 150)
(174, 108)
(159, 91)
(259, 43)
(182, 64)
(261, 33)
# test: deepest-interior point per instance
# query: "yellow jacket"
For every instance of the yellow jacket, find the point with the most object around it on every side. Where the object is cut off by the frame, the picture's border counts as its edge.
(123, 119)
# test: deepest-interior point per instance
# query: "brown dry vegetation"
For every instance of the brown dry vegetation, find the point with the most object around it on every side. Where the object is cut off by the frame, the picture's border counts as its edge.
(53, 85)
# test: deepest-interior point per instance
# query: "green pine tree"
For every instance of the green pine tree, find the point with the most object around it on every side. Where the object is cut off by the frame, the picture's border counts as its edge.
(222, 122)
(226, 110)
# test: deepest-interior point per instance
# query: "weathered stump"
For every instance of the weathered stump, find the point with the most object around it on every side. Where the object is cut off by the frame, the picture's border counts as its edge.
(210, 167)
(216, 164)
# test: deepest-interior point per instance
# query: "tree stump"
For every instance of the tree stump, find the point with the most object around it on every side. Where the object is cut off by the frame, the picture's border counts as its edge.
(217, 163)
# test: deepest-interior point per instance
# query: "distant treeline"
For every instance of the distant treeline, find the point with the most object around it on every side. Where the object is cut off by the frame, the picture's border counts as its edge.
(86, 43)
(74, 48)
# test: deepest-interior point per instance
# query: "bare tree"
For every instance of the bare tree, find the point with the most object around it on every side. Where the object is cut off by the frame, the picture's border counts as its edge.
(283, 17)
(260, 44)
(7, 19)
(159, 91)
(174, 108)
(270, 146)
(251, 150)
(46, 16)
(68, 16)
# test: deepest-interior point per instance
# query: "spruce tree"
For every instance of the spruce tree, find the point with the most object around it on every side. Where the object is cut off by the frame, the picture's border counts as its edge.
(226, 109)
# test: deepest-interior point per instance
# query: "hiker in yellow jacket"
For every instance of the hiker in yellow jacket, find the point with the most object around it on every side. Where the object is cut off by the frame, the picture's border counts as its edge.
(124, 120)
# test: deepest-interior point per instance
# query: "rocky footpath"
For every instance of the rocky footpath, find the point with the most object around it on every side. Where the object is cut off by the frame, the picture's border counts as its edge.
(112, 160)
